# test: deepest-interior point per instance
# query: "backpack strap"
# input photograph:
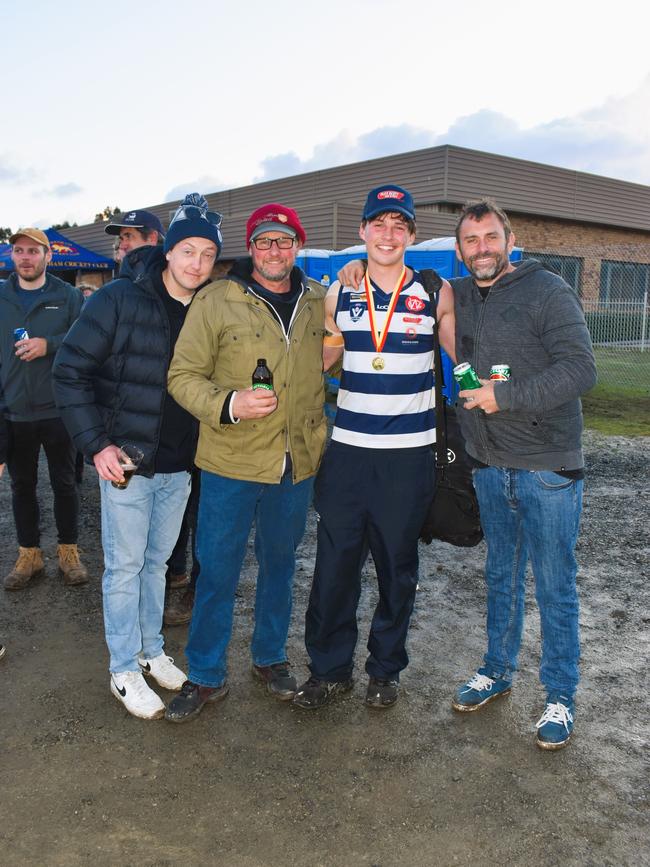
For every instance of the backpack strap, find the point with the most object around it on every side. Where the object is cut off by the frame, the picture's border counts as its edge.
(432, 281)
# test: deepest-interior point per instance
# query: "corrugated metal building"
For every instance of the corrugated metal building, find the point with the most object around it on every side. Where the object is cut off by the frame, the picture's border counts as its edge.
(581, 224)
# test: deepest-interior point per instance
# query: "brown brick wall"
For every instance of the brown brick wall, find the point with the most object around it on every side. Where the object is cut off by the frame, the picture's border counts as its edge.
(591, 243)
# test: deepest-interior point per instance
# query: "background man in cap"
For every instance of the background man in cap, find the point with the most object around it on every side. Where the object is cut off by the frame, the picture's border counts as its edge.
(111, 387)
(258, 448)
(376, 481)
(137, 229)
(45, 307)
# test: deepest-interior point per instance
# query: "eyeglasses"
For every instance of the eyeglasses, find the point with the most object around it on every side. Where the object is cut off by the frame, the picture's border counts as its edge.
(284, 243)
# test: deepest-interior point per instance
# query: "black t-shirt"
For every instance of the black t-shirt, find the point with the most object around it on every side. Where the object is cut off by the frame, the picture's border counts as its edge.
(178, 429)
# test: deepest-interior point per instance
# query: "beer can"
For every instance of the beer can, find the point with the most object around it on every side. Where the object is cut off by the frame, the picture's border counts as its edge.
(20, 334)
(500, 372)
(465, 376)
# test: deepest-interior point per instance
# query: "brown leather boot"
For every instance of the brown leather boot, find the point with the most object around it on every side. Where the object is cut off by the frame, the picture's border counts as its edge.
(70, 566)
(180, 612)
(28, 565)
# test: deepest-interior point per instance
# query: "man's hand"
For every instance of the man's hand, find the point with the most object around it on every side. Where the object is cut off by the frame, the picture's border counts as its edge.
(481, 398)
(352, 273)
(107, 464)
(254, 403)
(2, 469)
(31, 348)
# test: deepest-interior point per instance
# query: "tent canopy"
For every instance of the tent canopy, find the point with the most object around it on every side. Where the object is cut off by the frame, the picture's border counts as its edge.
(66, 255)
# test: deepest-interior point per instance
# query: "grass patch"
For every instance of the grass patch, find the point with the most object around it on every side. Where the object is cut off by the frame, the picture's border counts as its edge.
(617, 410)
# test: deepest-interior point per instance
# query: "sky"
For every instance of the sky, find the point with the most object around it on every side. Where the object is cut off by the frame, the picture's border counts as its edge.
(130, 104)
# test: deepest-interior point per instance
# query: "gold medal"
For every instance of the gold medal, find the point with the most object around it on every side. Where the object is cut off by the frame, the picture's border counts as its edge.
(378, 363)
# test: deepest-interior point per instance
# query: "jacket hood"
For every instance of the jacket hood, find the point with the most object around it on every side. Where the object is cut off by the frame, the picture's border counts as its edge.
(523, 271)
(143, 260)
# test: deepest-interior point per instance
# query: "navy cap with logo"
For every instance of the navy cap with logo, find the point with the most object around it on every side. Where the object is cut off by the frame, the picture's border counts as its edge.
(389, 197)
(135, 220)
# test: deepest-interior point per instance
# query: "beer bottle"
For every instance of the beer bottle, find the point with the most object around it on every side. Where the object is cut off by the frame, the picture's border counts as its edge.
(262, 376)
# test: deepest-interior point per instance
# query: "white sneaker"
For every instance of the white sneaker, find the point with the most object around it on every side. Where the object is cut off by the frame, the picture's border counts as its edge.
(163, 671)
(130, 688)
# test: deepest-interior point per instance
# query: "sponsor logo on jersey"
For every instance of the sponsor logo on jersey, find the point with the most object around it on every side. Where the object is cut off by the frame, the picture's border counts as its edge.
(414, 304)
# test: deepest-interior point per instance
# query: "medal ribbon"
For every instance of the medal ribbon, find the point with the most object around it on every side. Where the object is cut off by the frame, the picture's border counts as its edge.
(374, 331)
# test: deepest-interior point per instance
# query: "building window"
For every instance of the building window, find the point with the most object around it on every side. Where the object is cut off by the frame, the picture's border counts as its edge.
(624, 281)
(568, 267)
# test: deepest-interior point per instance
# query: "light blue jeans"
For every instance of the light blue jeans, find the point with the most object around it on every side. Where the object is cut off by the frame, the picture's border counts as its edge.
(227, 510)
(531, 515)
(140, 525)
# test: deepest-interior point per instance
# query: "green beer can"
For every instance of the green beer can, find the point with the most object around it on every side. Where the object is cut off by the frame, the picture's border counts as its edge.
(465, 376)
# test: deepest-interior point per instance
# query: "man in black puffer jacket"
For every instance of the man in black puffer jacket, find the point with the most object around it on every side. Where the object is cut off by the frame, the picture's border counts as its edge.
(110, 380)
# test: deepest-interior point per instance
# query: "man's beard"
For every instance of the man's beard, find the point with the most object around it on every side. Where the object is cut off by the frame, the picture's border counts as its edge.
(275, 276)
(488, 272)
(32, 276)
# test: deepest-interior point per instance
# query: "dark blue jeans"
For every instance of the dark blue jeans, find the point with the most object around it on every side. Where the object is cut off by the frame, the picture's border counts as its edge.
(531, 516)
(366, 499)
(227, 510)
(25, 441)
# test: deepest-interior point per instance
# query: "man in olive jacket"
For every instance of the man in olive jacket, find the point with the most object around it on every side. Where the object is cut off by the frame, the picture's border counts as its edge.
(258, 450)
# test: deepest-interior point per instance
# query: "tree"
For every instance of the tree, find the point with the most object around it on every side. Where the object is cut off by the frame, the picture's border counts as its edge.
(5, 234)
(64, 225)
(107, 214)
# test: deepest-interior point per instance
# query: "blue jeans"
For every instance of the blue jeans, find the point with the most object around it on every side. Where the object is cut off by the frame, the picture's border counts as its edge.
(531, 515)
(139, 527)
(227, 510)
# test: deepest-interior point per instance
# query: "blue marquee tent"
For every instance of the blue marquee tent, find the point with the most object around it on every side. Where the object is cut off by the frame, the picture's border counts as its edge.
(66, 255)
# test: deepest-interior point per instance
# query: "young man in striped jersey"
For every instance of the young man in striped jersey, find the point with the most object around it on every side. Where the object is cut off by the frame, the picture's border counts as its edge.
(376, 480)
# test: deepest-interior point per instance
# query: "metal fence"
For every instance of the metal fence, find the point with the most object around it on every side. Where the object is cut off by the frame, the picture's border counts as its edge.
(613, 283)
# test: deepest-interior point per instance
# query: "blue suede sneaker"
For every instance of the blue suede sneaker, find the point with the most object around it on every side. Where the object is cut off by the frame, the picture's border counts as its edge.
(556, 723)
(479, 690)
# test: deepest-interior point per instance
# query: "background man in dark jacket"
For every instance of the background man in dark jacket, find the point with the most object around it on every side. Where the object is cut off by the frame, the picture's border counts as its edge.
(45, 307)
(111, 387)
(136, 229)
(525, 436)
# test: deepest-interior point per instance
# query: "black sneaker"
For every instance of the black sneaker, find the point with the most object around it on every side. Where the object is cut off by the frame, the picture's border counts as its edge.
(190, 700)
(279, 681)
(315, 693)
(382, 693)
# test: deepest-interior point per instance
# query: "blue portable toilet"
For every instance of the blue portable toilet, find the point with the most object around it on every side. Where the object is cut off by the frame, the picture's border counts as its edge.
(316, 264)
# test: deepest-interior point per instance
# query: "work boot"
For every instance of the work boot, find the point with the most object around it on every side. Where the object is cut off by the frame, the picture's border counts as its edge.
(70, 566)
(180, 612)
(28, 565)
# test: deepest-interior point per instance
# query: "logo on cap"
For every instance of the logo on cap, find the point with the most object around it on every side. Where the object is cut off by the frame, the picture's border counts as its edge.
(390, 194)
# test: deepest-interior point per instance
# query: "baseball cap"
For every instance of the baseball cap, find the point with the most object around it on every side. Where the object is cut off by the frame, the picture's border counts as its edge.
(34, 234)
(389, 197)
(274, 218)
(135, 220)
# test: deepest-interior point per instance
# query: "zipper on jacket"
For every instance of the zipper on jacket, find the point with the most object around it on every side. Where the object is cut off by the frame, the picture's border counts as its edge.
(480, 425)
(269, 311)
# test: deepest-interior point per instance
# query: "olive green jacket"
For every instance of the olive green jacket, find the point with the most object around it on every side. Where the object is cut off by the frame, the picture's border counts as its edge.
(226, 330)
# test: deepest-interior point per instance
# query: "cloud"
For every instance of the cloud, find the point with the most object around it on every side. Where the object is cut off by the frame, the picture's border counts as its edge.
(611, 139)
(205, 184)
(61, 191)
(10, 174)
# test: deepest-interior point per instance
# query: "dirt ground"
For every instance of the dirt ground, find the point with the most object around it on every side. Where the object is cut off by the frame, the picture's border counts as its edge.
(257, 783)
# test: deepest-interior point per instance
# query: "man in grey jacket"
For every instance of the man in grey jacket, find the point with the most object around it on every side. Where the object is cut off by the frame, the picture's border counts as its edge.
(525, 436)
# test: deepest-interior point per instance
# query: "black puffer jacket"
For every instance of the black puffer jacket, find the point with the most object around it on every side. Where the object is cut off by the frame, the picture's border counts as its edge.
(110, 374)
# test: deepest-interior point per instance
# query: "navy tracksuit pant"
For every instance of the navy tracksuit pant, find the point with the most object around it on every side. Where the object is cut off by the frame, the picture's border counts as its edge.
(367, 500)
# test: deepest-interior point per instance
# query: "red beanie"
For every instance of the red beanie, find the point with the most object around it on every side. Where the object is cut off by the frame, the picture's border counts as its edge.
(274, 217)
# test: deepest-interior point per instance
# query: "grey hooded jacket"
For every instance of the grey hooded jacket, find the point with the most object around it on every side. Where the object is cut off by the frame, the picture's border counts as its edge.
(532, 321)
